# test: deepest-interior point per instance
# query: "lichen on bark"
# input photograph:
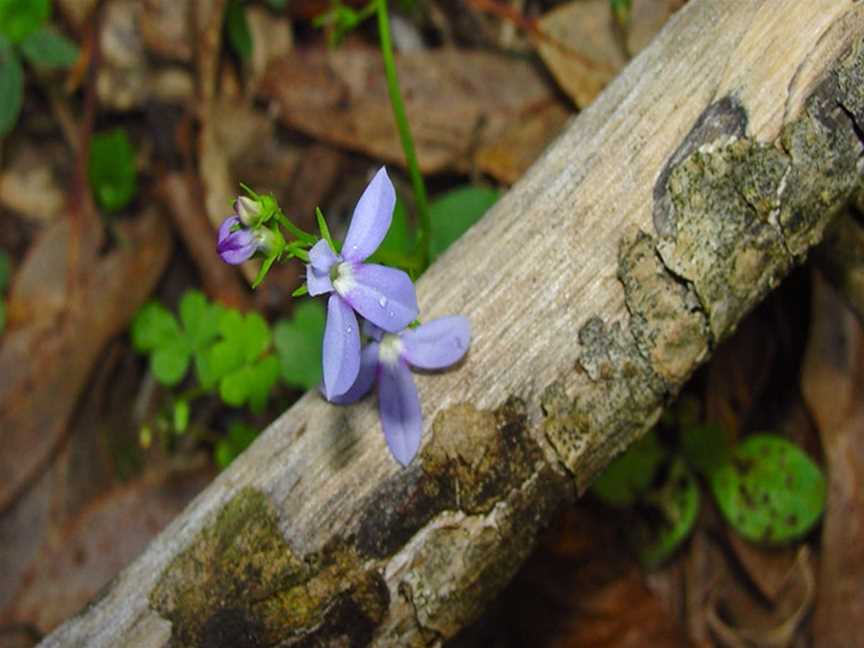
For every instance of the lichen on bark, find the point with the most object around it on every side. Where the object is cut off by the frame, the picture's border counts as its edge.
(240, 584)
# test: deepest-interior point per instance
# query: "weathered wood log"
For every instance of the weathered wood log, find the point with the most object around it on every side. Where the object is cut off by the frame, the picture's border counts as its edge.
(597, 284)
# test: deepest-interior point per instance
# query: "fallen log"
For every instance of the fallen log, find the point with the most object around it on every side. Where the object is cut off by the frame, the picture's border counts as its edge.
(657, 220)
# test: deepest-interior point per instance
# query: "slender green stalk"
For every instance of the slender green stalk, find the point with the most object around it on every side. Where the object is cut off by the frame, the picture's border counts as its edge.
(424, 224)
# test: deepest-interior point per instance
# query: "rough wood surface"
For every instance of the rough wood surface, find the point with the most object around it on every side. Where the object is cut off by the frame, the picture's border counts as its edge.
(597, 284)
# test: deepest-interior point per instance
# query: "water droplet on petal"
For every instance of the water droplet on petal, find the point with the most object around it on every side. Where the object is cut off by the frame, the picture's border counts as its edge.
(348, 329)
(382, 302)
(391, 314)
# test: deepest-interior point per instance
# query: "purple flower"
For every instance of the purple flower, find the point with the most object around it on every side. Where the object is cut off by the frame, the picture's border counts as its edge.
(238, 245)
(384, 296)
(434, 345)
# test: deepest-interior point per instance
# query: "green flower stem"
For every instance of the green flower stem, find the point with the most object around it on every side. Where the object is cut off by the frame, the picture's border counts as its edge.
(425, 225)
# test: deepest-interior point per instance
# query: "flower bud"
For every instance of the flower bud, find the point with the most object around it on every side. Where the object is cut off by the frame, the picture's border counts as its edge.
(247, 210)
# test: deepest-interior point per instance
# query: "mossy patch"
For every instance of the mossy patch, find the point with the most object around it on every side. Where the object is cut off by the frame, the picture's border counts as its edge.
(240, 584)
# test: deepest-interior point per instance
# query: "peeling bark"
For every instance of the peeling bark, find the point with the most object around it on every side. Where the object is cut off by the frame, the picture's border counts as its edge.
(659, 218)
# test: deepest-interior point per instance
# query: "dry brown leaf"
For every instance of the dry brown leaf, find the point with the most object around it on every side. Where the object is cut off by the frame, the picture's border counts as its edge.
(52, 343)
(739, 619)
(508, 157)
(833, 386)
(767, 567)
(165, 27)
(92, 548)
(646, 20)
(271, 37)
(457, 101)
(578, 31)
(28, 184)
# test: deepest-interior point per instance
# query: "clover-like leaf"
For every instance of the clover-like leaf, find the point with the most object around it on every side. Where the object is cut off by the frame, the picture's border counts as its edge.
(181, 415)
(677, 502)
(20, 18)
(298, 343)
(630, 474)
(112, 171)
(11, 86)
(240, 436)
(454, 212)
(705, 446)
(234, 387)
(48, 49)
(153, 327)
(263, 376)
(770, 491)
(200, 319)
(170, 361)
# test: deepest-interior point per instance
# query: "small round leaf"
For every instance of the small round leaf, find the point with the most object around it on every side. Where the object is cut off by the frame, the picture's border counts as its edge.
(770, 491)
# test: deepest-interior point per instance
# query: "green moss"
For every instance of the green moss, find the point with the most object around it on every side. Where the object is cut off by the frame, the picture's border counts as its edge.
(240, 584)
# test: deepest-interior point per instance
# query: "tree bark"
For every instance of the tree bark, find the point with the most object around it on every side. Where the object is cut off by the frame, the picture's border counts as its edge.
(595, 287)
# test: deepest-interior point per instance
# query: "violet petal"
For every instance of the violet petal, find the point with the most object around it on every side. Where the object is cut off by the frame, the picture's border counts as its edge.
(322, 257)
(384, 296)
(399, 409)
(371, 218)
(341, 354)
(237, 246)
(437, 344)
(365, 377)
(318, 283)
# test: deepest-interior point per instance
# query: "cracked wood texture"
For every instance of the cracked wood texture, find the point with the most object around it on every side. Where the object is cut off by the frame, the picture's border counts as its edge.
(661, 215)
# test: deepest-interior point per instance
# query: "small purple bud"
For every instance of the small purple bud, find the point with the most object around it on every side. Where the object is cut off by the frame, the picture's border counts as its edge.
(247, 210)
(235, 246)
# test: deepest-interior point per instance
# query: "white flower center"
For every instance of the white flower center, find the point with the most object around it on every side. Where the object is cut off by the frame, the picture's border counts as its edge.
(343, 278)
(390, 349)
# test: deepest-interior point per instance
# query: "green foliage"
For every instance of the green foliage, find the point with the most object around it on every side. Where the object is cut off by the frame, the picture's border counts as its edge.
(397, 247)
(46, 48)
(705, 446)
(5, 275)
(11, 86)
(622, 10)
(277, 5)
(20, 18)
(112, 171)
(770, 491)
(341, 20)
(454, 212)
(631, 474)
(5, 270)
(157, 332)
(766, 487)
(298, 343)
(239, 438)
(237, 30)
(677, 502)
(181, 415)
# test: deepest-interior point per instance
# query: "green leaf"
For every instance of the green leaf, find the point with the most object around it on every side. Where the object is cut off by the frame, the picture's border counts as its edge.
(399, 242)
(237, 28)
(240, 437)
(200, 319)
(263, 270)
(770, 491)
(170, 361)
(11, 87)
(153, 327)
(255, 336)
(181, 416)
(277, 5)
(677, 501)
(46, 48)
(630, 474)
(20, 18)
(264, 375)
(298, 343)
(454, 212)
(113, 176)
(224, 357)
(622, 10)
(5, 270)
(234, 388)
(705, 446)
(207, 378)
